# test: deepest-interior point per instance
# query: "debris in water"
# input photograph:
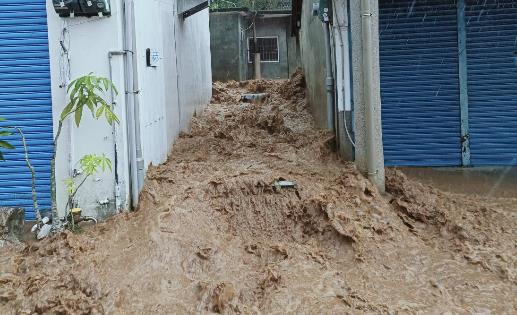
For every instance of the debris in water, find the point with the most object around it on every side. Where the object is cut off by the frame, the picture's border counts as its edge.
(282, 184)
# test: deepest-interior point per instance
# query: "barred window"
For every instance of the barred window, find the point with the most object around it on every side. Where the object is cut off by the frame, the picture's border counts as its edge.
(266, 46)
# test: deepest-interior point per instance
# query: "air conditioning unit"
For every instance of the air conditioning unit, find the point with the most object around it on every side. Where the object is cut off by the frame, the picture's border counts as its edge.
(71, 8)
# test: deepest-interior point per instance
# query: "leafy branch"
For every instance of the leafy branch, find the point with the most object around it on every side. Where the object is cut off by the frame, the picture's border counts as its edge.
(85, 93)
(91, 164)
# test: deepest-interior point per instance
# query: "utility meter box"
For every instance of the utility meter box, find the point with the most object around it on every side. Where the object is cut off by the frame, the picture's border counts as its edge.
(325, 11)
(66, 8)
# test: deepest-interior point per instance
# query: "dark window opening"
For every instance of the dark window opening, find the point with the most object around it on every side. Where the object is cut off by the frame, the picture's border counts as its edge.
(266, 46)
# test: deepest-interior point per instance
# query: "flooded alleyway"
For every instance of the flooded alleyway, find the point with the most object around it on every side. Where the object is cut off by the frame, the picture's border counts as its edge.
(254, 214)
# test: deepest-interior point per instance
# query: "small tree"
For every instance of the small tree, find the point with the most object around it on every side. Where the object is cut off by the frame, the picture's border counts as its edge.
(91, 164)
(85, 93)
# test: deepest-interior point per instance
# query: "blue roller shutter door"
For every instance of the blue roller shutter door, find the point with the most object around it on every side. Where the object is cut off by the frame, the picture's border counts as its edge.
(25, 101)
(420, 83)
(492, 81)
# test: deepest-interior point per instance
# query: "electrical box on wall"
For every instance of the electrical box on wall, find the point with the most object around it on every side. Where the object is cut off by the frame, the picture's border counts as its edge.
(325, 10)
(152, 57)
(71, 8)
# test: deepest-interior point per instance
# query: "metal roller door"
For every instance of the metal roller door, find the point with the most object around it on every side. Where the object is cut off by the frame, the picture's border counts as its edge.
(492, 81)
(25, 101)
(419, 82)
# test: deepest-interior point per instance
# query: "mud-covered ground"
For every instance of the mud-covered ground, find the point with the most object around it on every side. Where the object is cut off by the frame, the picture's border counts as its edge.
(213, 235)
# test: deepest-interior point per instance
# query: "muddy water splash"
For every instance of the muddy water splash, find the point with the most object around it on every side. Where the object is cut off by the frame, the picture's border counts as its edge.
(213, 235)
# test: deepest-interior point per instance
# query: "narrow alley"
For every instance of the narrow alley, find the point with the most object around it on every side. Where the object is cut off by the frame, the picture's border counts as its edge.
(253, 213)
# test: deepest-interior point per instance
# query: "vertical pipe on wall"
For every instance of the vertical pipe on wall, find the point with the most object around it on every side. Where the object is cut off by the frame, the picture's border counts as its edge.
(116, 192)
(329, 80)
(132, 101)
(374, 156)
(136, 93)
(343, 78)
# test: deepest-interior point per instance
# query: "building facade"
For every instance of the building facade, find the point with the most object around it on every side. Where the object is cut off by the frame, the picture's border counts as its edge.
(42, 53)
(232, 33)
(443, 75)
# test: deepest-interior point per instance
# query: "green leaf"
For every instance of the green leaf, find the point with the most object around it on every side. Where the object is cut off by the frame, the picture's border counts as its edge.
(6, 145)
(72, 85)
(87, 91)
(67, 110)
(70, 185)
(99, 112)
(78, 116)
(106, 84)
(91, 163)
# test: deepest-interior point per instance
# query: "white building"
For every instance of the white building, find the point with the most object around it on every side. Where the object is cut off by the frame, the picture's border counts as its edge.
(41, 52)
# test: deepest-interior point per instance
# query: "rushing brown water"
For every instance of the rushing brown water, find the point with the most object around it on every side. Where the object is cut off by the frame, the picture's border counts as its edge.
(213, 235)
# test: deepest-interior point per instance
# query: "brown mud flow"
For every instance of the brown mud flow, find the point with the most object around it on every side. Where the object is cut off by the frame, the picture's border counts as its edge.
(214, 235)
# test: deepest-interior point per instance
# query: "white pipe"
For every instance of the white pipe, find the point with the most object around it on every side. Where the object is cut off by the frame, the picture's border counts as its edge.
(343, 68)
(136, 93)
(338, 46)
(116, 191)
(329, 79)
(346, 56)
(132, 117)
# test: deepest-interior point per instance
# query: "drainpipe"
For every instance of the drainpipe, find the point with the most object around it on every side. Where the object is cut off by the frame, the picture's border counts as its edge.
(329, 80)
(116, 192)
(133, 105)
(373, 154)
(343, 79)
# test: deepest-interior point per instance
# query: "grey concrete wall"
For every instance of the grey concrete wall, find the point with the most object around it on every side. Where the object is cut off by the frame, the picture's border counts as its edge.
(225, 46)
(194, 65)
(293, 53)
(360, 106)
(279, 27)
(312, 48)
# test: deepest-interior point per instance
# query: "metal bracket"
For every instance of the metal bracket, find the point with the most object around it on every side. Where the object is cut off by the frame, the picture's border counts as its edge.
(195, 10)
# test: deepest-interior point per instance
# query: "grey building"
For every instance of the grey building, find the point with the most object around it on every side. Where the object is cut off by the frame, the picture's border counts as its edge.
(231, 35)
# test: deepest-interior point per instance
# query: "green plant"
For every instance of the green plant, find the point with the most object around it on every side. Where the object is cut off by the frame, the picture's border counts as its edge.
(91, 164)
(85, 93)
(4, 132)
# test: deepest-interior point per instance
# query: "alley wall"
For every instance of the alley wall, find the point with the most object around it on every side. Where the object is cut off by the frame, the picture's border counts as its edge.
(168, 94)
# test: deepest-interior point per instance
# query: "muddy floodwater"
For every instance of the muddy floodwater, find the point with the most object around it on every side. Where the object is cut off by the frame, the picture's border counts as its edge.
(213, 234)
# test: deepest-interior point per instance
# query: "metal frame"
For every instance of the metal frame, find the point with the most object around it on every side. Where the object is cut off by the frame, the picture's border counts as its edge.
(250, 61)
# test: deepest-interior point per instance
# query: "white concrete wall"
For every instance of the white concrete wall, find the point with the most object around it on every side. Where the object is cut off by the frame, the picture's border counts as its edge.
(181, 84)
(88, 41)
(169, 94)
